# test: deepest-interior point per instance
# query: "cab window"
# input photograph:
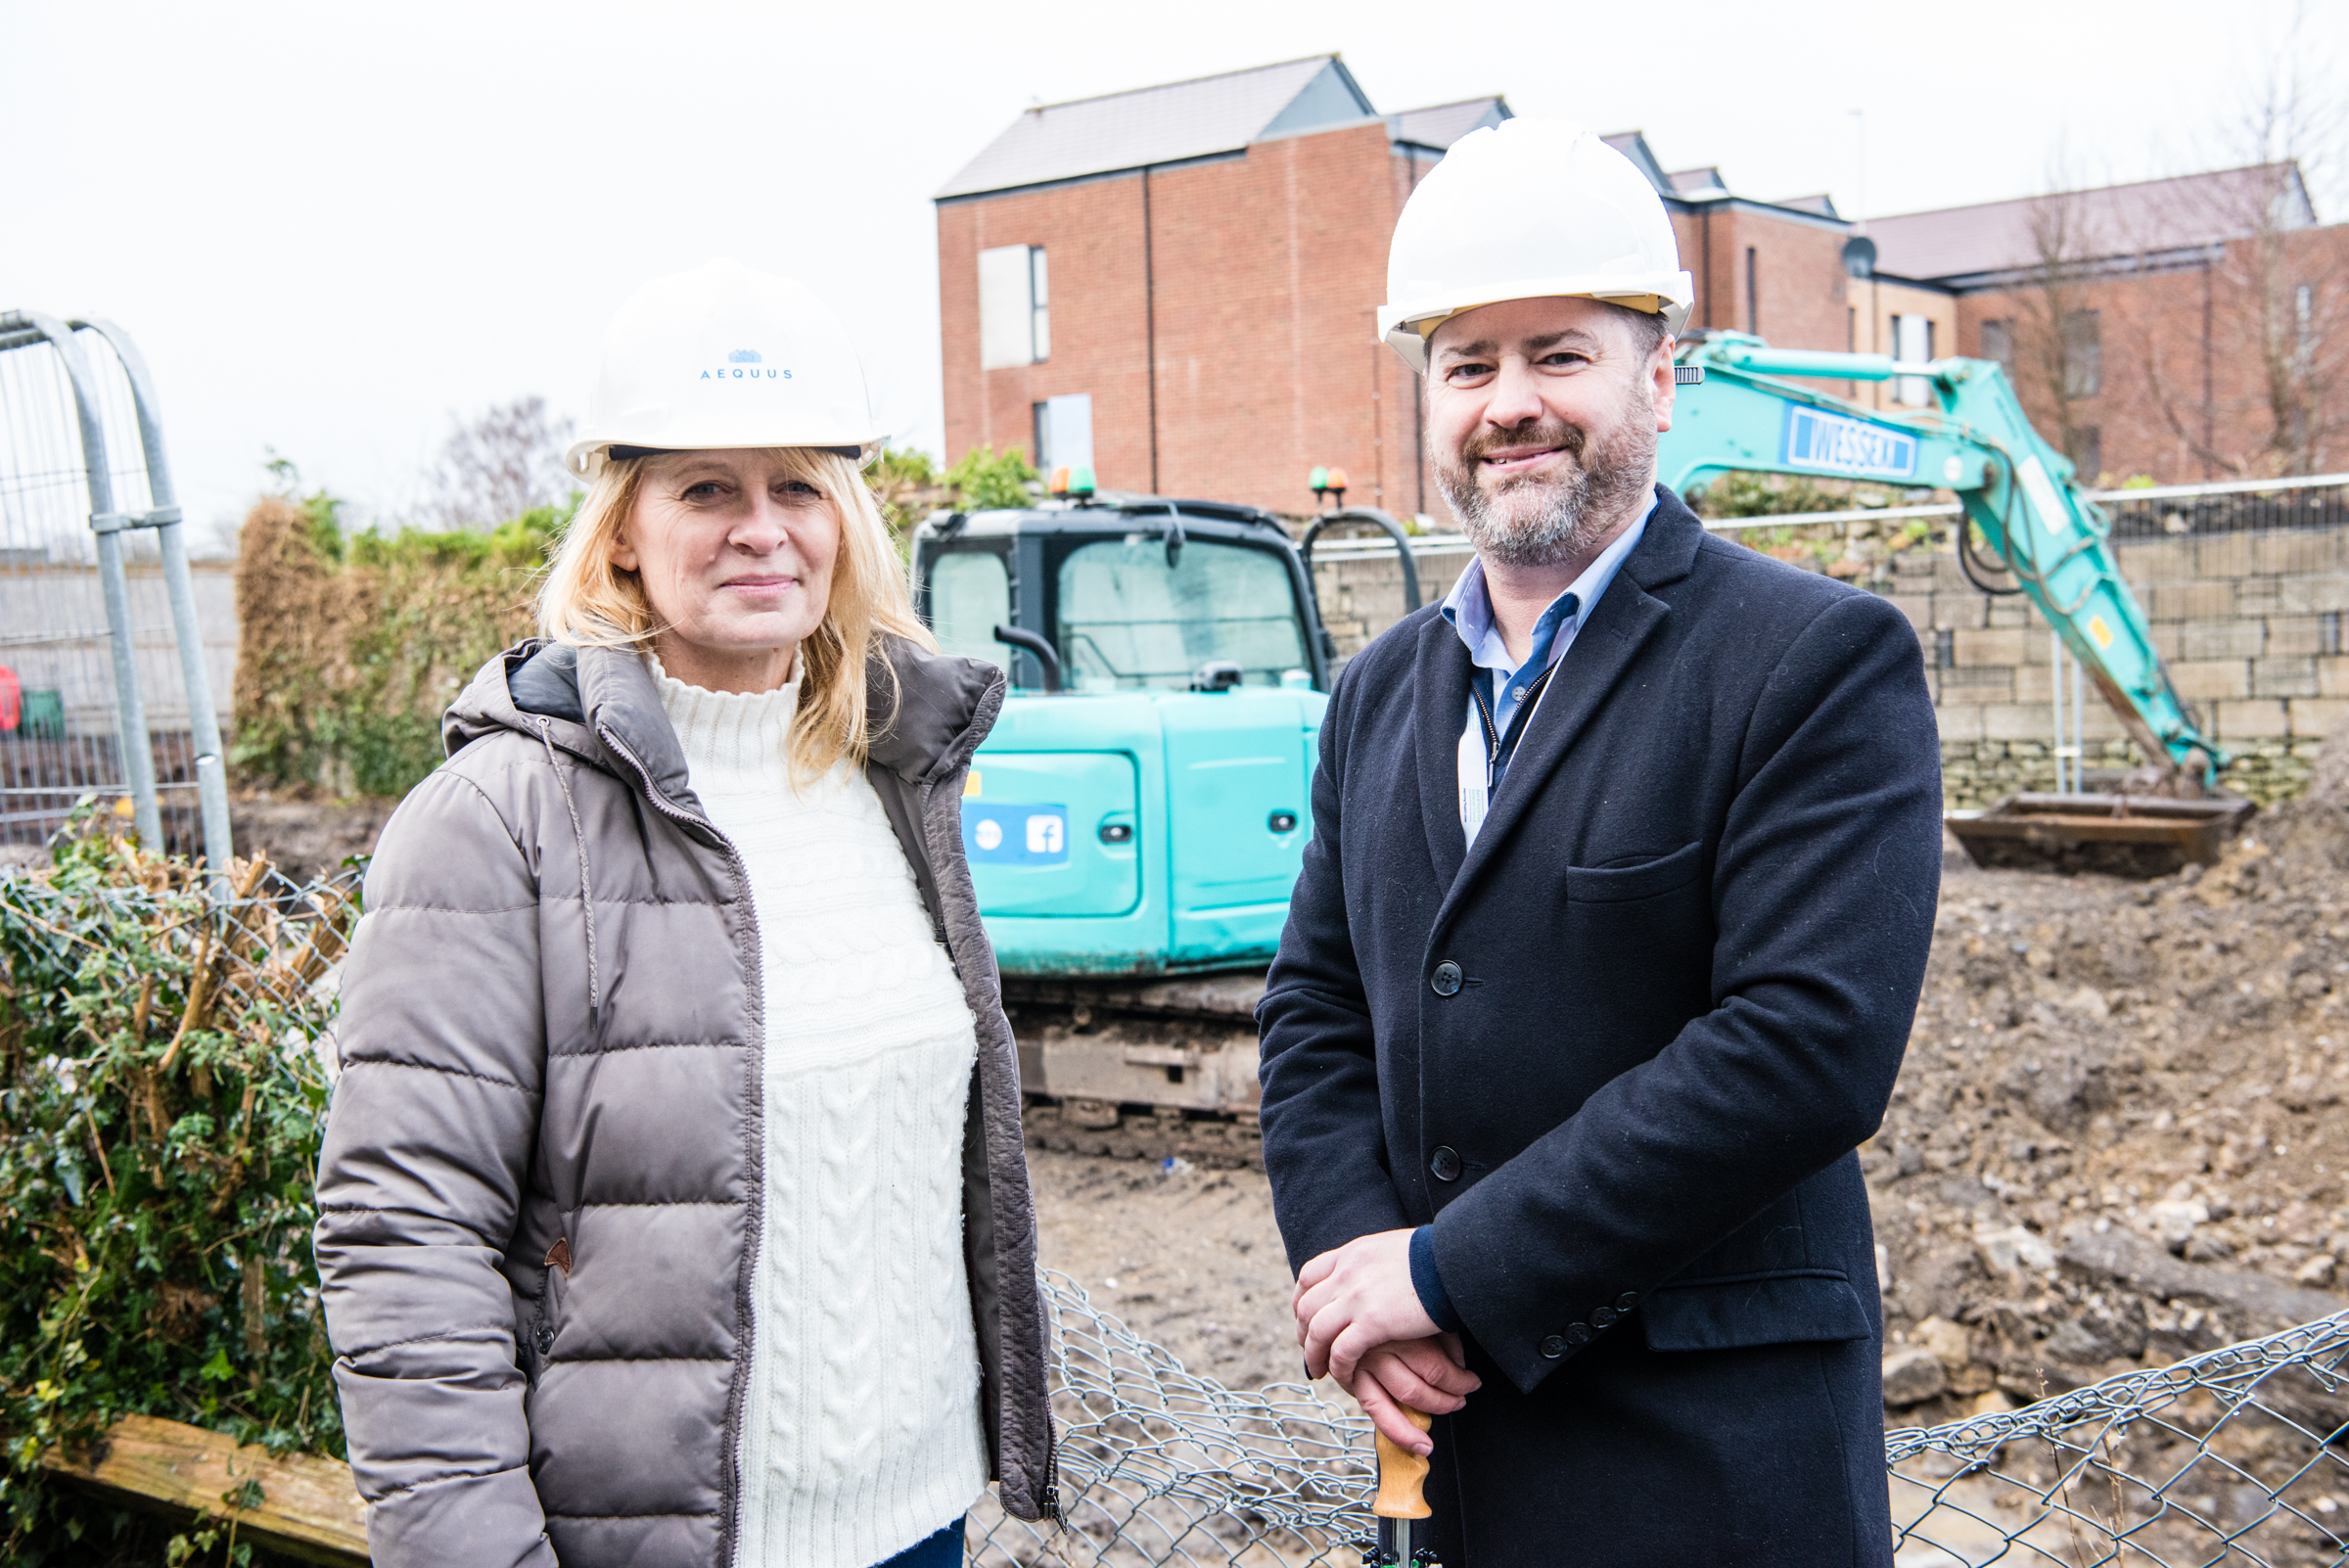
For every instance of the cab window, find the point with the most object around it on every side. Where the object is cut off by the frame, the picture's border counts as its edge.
(1124, 620)
(970, 596)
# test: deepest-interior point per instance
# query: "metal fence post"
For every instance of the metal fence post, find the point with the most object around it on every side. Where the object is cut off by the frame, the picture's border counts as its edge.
(130, 713)
(203, 723)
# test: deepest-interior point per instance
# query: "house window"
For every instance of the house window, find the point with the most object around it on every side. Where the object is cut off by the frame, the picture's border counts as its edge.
(1753, 297)
(1912, 345)
(1997, 343)
(1015, 321)
(1064, 431)
(2083, 353)
(1850, 330)
(2088, 452)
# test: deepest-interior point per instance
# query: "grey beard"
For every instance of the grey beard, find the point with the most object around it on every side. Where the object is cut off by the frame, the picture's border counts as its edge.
(1562, 517)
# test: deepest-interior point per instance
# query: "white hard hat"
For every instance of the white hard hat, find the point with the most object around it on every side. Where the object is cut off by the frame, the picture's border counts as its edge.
(723, 356)
(1528, 209)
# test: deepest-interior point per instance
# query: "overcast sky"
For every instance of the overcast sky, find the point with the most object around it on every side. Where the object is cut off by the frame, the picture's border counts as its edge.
(332, 227)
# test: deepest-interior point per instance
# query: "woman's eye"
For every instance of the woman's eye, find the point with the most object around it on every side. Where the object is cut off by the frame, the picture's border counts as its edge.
(799, 488)
(706, 490)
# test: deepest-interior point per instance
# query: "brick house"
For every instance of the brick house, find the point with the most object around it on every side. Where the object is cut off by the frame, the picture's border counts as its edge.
(2184, 329)
(1178, 285)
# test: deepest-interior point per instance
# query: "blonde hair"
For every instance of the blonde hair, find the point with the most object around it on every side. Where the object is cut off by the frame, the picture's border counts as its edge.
(588, 602)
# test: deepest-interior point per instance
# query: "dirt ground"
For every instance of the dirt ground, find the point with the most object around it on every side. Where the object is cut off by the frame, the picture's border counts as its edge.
(2117, 1139)
(1187, 1258)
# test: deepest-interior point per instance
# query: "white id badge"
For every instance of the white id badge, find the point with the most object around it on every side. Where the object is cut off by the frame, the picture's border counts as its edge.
(1475, 788)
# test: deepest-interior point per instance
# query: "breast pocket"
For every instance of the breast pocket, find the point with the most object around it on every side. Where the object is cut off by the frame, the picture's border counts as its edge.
(1643, 934)
(1643, 879)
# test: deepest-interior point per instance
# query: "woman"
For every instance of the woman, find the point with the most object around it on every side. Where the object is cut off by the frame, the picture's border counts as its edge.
(672, 1208)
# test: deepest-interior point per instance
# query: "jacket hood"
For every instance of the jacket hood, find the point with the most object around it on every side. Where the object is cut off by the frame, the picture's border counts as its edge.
(942, 708)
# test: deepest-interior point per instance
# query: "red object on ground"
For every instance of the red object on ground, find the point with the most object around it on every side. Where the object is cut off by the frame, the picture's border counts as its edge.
(12, 701)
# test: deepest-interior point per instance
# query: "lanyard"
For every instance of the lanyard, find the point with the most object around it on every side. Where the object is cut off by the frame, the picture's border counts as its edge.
(1483, 752)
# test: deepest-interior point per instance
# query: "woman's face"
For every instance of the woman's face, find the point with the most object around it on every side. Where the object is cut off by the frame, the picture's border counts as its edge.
(736, 558)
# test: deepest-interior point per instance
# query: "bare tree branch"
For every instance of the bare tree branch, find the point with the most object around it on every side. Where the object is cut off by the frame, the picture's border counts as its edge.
(502, 463)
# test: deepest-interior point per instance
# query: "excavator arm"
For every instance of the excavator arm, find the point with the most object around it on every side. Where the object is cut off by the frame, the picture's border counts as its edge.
(1970, 436)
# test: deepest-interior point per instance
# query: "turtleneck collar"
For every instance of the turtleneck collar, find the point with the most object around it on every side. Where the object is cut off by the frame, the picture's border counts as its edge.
(725, 729)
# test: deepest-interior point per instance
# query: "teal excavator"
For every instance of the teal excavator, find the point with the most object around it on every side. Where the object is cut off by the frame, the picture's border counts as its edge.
(1138, 816)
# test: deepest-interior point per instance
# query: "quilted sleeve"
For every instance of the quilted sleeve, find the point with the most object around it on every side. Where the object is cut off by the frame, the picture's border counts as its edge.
(442, 1045)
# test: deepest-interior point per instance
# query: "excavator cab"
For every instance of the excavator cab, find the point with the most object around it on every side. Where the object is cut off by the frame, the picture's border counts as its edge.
(1143, 804)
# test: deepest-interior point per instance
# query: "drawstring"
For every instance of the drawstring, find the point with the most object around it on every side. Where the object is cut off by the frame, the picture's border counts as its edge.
(586, 891)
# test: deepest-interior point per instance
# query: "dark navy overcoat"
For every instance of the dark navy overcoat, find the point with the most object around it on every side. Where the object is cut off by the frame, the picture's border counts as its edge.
(1688, 944)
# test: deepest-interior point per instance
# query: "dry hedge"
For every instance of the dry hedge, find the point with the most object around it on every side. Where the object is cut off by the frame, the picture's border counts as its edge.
(350, 645)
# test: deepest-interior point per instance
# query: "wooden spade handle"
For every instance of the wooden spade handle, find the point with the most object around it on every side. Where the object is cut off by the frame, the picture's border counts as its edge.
(1402, 1474)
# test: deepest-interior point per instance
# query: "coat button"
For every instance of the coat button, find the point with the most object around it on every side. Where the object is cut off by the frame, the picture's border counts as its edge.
(1627, 1301)
(1447, 979)
(1578, 1334)
(545, 1338)
(1602, 1318)
(1554, 1347)
(1446, 1163)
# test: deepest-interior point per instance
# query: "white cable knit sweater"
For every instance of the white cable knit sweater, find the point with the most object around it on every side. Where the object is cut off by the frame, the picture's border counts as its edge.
(861, 1432)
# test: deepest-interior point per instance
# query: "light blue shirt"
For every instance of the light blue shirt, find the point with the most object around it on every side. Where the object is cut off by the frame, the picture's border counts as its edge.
(1469, 609)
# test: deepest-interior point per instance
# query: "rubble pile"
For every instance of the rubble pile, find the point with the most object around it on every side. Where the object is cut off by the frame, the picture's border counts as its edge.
(2118, 1138)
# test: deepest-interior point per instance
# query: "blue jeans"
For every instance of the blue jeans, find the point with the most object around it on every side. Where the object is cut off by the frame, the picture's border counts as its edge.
(940, 1550)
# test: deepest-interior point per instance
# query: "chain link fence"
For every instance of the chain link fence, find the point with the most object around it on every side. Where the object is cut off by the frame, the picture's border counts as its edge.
(2237, 1457)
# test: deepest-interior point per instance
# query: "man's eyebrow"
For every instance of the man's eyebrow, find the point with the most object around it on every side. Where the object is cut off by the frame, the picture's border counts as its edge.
(1550, 340)
(1486, 347)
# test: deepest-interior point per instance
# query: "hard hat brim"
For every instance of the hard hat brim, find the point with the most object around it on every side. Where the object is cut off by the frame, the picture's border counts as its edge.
(1406, 328)
(586, 457)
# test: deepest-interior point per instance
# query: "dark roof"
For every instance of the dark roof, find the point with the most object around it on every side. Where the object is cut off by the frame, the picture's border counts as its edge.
(1634, 146)
(1823, 203)
(1165, 124)
(1439, 125)
(2149, 217)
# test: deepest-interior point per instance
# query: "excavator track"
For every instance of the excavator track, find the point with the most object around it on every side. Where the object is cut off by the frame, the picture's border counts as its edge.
(1140, 1070)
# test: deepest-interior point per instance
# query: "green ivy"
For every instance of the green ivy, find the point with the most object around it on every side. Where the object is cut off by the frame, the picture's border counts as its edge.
(988, 481)
(160, 1116)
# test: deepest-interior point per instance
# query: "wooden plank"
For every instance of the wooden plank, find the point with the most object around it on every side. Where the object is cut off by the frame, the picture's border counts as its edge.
(307, 1506)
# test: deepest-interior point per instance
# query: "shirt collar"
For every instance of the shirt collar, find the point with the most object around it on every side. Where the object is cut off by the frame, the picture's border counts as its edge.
(1469, 607)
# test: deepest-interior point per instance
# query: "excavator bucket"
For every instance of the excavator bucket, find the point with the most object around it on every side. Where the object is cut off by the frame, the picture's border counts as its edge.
(2115, 835)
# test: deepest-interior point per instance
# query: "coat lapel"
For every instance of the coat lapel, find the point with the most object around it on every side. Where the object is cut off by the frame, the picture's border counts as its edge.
(1603, 650)
(1439, 710)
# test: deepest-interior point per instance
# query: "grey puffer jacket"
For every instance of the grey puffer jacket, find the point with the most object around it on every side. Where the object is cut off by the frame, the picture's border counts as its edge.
(540, 1193)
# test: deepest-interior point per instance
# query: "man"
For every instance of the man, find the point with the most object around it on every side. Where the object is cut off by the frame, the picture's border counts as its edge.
(1606, 945)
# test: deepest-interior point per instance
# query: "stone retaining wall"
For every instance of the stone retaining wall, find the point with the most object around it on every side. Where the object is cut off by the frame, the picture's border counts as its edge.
(2249, 624)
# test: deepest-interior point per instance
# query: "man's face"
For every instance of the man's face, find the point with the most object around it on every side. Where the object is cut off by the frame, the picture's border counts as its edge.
(1543, 417)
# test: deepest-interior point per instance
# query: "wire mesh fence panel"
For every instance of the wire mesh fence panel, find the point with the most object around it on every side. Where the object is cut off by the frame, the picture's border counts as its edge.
(2237, 1457)
(1161, 1465)
(2248, 507)
(60, 735)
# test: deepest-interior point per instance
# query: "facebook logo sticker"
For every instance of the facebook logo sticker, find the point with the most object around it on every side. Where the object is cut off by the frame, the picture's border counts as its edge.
(1008, 833)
